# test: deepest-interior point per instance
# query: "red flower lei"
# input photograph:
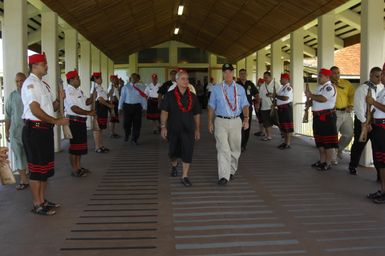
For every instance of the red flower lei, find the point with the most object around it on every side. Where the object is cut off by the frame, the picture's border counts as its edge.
(233, 108)
(179, 102)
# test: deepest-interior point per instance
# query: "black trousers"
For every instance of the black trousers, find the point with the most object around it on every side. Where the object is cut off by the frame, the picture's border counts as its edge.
(246, 133)
(357, 147)
(132, 120)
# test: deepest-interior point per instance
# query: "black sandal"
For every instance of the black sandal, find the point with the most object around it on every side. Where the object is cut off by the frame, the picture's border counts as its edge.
(104, 149)
(22, 186)
(79, 173)
(50, 205)
(99, 150)
(42, 210)
(85, 170)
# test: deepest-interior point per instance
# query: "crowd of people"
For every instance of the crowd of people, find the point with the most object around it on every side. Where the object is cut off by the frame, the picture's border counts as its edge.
(174, 109)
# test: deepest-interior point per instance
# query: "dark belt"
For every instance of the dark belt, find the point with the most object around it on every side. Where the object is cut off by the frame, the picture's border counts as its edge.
(228, 117)
(77, 118)
(341, 109)
(379, 121)
(324, 112)
(284, 106)
(37, 124)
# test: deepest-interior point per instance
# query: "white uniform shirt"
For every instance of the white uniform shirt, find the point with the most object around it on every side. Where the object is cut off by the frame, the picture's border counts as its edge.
(287, 91)
(360, 100)
(379, 114)
(100, 92)
(74, 97)
(266, 101)
(152, 90)
(35, 90)
(329, 92)
(115, 91)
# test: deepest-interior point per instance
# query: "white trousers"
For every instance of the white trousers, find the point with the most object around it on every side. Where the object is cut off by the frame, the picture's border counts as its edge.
(228, 137)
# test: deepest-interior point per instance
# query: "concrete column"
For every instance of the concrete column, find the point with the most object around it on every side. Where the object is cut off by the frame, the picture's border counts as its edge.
(133, 63)
(325, 51)
(95, 59)
(14, 34)
(85, 69)
(276, 60)
(71, 49)
(49, 41)
(261, 63)
(250, 64)
(296, 74)
(110, 67)
(104, 70)
(372, 48)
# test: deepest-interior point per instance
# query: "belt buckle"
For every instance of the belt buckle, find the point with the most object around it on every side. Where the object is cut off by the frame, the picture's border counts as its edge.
(37, 124)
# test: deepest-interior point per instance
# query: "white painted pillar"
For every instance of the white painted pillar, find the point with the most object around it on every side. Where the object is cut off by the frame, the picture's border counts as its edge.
(250, 64)
(95, 59)
(85, 69)
(133, 63)
(296, 75)
(71, 49)
(372, 49)
(110, 67)
(325, 51)
(14, 35)
(261, 63)
(49, 41)
(276, 60)
(104, 70)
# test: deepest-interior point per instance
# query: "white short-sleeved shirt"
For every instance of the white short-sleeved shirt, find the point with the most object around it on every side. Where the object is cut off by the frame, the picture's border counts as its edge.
(74, 97)
(35, 90)
(360, 99)
(115, 91)
(152, 90)
(265, 89)
(100, 92)
(329, 92)
(379, 114)
(287, 91)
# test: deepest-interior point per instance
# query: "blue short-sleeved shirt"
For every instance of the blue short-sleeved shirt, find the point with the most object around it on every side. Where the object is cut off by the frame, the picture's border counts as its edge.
(218, 101)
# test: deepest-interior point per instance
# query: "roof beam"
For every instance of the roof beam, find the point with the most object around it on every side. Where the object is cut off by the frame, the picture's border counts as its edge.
(351, 18)
(338, 42)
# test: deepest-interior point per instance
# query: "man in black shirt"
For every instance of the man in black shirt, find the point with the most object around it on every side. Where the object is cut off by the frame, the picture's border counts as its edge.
(180, 123)
(251, 91)
(165, 86)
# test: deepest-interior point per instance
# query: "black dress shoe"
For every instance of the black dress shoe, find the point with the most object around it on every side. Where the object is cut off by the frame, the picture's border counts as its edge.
(174, 172)
(186, 182)
(222, 181)
(352, 171)
(281, 146)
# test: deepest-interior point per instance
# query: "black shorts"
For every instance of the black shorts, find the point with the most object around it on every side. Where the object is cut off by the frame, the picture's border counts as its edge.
(378, 145)
(78, 143)
(266, 119)
(181, 145)
(325, 129)
(285, 114)
(102, 115)
(38, 140)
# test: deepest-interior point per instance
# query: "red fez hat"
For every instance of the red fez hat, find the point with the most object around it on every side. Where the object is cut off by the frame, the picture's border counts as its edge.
(113, 77)
(36, 58)
(261, 81)
(97, 74)
(326, 72)
(154, 76)
(285, 76)
(72, 74)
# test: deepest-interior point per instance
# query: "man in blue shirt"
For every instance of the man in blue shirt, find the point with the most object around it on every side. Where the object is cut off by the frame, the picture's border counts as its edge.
(132, 101)
(227, 102)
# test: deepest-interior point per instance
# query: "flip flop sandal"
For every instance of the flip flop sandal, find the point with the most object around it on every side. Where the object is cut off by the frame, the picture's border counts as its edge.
(105, 149)
(99, 150)
(22, 186)
(79, 173)
(50, 205)
(85, 170)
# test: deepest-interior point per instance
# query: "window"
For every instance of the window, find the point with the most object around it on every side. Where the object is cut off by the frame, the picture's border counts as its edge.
(153, 55)
(192, 55)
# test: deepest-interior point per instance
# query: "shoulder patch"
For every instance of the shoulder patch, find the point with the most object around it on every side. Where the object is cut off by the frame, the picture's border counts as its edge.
(289, 89)
(329, 88)
(30, 86)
